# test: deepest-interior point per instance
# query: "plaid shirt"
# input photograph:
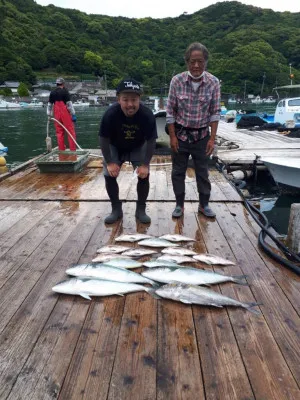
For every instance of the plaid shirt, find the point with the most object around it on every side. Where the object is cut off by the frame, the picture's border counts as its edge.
(193, 109)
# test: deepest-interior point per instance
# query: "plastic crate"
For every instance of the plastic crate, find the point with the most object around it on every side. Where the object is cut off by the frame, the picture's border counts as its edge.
(62, 161)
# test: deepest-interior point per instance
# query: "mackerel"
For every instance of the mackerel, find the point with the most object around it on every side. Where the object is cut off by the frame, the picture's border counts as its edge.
(97, 287)
(192, 294)
(190, 275)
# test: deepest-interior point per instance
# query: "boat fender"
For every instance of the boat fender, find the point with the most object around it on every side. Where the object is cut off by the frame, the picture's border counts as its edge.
(2, 162)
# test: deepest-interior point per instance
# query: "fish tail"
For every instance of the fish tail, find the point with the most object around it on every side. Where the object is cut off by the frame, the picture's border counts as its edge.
(152, 292)
(240, 279)
(249, 306)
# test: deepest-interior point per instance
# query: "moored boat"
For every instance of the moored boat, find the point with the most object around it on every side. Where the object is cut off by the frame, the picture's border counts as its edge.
(285, 171)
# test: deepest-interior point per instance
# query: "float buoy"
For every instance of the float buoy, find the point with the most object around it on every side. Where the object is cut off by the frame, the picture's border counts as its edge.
(2, 162)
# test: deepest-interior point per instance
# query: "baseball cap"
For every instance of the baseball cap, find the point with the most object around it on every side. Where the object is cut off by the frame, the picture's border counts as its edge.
(59, 81)
(129, 85)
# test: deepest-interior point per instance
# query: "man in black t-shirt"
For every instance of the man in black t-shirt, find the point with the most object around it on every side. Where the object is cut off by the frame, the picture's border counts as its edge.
(127, 133)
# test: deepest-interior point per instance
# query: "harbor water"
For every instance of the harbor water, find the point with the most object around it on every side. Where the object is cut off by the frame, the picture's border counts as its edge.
(24, 133)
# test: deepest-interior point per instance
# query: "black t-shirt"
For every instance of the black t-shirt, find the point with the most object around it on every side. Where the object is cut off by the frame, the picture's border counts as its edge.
(128, 133)
(59, 94)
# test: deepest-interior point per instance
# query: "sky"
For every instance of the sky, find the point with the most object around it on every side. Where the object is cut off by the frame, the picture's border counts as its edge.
(159, 8)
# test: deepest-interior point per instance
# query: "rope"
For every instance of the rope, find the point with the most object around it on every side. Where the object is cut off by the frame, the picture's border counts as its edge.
(98, 155)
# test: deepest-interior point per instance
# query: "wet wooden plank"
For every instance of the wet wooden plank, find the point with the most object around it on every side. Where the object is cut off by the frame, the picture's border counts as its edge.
(23, 331)
(12, 260)
(267, 365)
(287, 279)
(176, 348)
(28, 271)
(36, 211)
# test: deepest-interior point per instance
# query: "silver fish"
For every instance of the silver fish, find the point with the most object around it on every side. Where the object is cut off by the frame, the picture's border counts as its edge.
(192, 294)
(102, 258)
(176, 238)
(124, 263)
(156, 242)
(176, 259)
(138, 252)
(107, 272)
(178, 251)
(132, 237)
(160, 263)
(212, 259)
(97, 287)
(112, 248)
(190, 275)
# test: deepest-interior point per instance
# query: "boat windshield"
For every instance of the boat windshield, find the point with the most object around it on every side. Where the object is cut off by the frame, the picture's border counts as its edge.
(294, 102)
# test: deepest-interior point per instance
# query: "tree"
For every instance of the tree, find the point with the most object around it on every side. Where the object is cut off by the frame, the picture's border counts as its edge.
(23, 90)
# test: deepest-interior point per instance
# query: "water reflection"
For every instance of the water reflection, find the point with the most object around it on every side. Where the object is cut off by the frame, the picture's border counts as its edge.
(278, 210)
(24, 131)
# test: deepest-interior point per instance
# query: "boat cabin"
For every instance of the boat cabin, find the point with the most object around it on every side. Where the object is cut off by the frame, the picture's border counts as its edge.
(288, 112)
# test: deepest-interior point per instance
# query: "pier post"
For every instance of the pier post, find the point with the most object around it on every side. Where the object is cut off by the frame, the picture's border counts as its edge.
(293, 236)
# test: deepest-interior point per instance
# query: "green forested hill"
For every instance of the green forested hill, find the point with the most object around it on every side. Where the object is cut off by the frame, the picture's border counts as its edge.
(245, 43)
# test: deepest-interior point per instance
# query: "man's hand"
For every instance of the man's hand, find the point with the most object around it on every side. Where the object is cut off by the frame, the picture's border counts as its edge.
(210, 146)
(113, 169)
(174, 143)
(142, 171)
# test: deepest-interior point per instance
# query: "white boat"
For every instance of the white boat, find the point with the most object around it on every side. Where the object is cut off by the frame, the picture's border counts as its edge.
(256, 100)
(8, 104)
(35, 103)
(269, 100)
(81, 103)
(285, 171)
(288, 112)
(3, 104)
(3, 150)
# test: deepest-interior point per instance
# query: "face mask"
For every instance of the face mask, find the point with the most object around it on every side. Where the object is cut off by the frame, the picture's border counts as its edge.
(195, 77)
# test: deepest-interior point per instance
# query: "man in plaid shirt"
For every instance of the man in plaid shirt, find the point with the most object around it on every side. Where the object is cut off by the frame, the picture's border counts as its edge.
(193, 114)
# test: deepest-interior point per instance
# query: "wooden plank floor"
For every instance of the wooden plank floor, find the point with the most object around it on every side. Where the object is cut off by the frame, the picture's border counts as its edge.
(253, 143)
(136, 347)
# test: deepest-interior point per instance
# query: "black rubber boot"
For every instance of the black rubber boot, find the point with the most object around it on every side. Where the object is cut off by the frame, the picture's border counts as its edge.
(116, 213)
(141, 215)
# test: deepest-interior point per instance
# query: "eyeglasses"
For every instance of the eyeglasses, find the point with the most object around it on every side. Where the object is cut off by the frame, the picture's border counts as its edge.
(194, 62)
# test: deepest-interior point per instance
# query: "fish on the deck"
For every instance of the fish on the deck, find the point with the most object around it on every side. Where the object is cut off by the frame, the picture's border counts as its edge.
(156, 242)
(177, 259)
(108, 272)
(138, 252)
(124, 263)
(178, 251)
(132, 237)
(212, 259)
(102, 258)
(113, 248)
(176, 238)
(97, 287)
(160, 263)
(190, 275)
(193, 294)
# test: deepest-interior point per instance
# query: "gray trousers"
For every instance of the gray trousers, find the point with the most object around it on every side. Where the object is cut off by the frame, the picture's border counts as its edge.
(179, 166)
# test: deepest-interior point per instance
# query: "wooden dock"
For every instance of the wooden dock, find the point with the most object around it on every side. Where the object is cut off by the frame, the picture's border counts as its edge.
(136, 347)
(255, 143)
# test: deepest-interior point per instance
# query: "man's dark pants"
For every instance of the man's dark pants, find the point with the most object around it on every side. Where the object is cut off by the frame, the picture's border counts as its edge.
(136, 158)
(179, 166)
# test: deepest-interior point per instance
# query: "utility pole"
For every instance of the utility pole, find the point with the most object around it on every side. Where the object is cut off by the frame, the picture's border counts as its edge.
(165, 75)
(263, 84)
(245, 86)
(291, 75)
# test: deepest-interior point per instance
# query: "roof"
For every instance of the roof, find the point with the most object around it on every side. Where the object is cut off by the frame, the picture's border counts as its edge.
(10, 84)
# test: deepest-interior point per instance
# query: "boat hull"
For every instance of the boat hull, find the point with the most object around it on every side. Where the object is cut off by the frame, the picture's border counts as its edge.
(284, 171)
